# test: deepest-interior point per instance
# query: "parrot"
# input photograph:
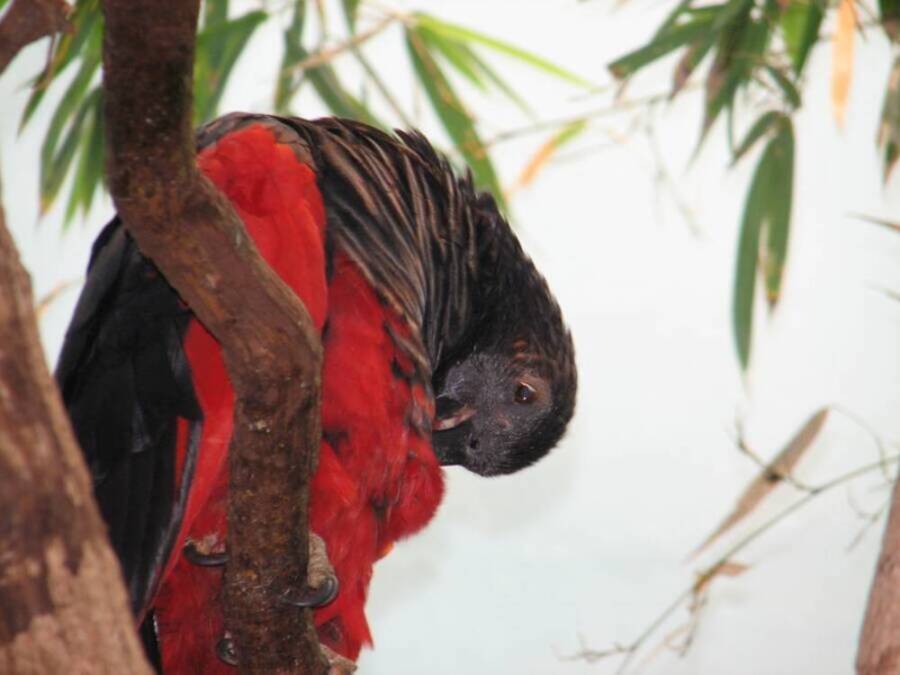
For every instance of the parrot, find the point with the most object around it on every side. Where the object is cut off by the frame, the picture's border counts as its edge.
(442, 346)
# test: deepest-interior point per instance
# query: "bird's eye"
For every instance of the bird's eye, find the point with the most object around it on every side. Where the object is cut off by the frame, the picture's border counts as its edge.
(524, 393)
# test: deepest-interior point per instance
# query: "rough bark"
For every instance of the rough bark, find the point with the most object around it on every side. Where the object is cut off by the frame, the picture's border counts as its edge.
(26, 21)
(63, 605)
(270, 346)
(879, 643)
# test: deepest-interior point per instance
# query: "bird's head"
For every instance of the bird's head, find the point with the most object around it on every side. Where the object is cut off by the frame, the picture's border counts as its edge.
(504, 399)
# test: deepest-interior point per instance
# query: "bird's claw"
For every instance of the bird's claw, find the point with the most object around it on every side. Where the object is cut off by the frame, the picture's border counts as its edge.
(226, 651)
(194, 555)
(313, 597)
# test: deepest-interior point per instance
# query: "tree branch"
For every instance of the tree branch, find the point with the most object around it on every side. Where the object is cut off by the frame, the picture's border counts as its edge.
(879, 643)
(26, 21)
(270, 347)
(63, 605)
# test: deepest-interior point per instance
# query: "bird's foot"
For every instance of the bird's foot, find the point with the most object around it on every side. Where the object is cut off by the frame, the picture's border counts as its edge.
(322, 584)
(205, 552)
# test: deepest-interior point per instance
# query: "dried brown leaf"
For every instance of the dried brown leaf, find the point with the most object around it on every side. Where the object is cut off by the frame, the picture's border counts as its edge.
(842, 58)
(770, 476)
(726, 568)
(540, 158)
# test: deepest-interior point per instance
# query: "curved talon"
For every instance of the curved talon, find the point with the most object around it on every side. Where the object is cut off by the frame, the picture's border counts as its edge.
(225, 650)
(314, 597)
(193, 554)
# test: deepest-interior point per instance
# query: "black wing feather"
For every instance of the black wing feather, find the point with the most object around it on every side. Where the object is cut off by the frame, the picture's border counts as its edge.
(125, 381)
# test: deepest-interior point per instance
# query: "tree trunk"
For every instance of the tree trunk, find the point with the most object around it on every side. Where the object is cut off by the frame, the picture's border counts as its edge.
(272, 353)
(63, 606)
(879, 643)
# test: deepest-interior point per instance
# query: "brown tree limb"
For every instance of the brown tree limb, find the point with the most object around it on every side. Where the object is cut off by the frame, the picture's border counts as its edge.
(26, 21)
(879, 643)
(270, 346)
(63, 605)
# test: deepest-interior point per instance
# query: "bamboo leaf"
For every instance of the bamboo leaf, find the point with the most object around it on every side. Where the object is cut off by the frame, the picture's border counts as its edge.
(889, 127)
(463, 34)
(456, 54)
(453, 115)
(778, 222)
(471, 66)
(842, 59)
(289, 82)
(678, 36)
(764, 124)
(89, 172)
(788, 88)
(800, 23)
(73, 97)
(748, 256)
(672, 19)
(350, 9)
(218, 47)
(740, 52)
(691, 59)
(771, 476)
(343, 104)
(54, 171)
(85, 36)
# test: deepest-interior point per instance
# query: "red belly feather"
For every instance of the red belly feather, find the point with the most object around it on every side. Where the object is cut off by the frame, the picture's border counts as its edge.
(377, 481)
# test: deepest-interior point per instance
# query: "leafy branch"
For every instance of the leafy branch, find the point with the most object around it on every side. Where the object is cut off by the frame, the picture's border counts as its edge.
(761, 48)
(440, 53)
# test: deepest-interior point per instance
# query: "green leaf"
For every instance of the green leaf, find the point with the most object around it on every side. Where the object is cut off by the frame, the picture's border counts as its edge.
(766, 214)
(89, 172)
(889, 128)
(672, 19)
(342, 103)
(453, 115)
(780, 199)
(463, 34)
(350, 10)
(765, 123)
(691, 59)
(73, 97)
(676, 37)
(218, 48)
(747, 260)
(800, 24)
(788, 88)
(465, 61)
(215, 14)
(740, 52)
(288, 82)
(84, 41)
(457, 54)
(54, 169)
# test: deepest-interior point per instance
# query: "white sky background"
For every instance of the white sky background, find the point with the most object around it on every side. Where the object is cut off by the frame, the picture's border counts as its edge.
(593, 541)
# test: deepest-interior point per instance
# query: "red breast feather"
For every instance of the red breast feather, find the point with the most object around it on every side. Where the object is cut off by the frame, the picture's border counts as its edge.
(377, 480)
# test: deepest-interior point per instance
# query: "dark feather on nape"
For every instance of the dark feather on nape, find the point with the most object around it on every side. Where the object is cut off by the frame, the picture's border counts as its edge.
(125, 382)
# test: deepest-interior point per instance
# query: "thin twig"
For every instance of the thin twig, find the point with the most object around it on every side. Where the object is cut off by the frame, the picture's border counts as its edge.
(327, 55)
(381, 87)
(615, 109)
(631, 649)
